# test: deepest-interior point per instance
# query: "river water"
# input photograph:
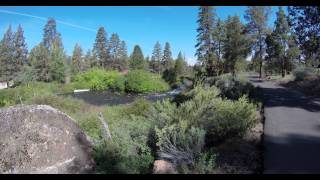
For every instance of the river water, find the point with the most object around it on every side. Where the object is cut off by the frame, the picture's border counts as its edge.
(113, 98)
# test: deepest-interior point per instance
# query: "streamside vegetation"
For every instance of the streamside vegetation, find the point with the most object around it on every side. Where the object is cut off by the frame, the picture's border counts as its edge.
(207, 128)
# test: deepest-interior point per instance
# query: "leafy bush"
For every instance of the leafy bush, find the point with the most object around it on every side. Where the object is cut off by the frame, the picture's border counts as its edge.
(204, 164)
(97, 79)
(25, 92)
(140, 81)
(234, 87)
(119, 84)
(128, 151)
(180, 143)
(219, 117)
(139, 107)
(301, 74)
(118, 158)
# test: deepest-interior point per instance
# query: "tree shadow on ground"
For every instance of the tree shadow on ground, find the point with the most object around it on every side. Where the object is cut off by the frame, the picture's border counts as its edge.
(292, 153)
(282, 97)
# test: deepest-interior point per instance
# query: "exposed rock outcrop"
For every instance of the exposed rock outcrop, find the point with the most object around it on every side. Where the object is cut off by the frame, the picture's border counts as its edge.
(41, 139)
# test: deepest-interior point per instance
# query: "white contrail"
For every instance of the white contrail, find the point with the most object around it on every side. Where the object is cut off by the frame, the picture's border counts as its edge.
(58, 21)
(45, 19)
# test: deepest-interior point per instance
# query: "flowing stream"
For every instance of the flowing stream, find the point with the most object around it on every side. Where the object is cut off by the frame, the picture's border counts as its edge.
(113, 98)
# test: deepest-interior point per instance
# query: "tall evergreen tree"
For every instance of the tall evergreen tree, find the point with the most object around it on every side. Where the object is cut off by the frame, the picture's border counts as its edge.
(257, 17)
(7, 63)
(236, 44)
(123, 56)
(179, 67)
(50, 33)
(281, 34)
(77, 60)
(57, 59)
(114, 46)
(20, 47)
(305, 23)
(156, 58)
(39, 60)
(167, 57)
(218, 37)
(273, 50)
(100, 49)
(204, 45)
(89, 60)
(136, 59)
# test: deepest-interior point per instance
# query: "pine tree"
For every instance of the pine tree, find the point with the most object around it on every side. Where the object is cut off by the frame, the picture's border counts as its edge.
(305, 23)
(218, 37)
(57, 59)
(157, 58)
(114, 46)
(257, 17)
(281, 34)
(89, 60)
(77, 60)
(235, 45)
(21, 50)
(136, 59)
(179, 67)
(123, 55)
(100, 49)
(273, 50)
(50, 34)
(204, 51)
(39, 60)
(167, 57)
(7, 63)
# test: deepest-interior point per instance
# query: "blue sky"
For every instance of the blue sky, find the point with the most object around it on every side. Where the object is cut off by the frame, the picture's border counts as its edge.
(143, 25)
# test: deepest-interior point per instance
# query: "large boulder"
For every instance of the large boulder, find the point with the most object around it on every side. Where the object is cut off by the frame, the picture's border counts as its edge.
(41, 139)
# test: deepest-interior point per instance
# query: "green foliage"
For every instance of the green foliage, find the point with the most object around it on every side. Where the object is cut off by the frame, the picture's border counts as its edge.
(119, 84)
(220, 118)
(234, 87)
(204, 164)
(235, 37)
(301, 74)
(138, 108)
(117, 158)
(100, 49)
(98, 79)
(144, 82)
(180, 143)
(136, 59)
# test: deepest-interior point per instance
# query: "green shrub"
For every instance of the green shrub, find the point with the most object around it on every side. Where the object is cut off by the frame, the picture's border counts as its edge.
(118, 158)
(128, 151)
(97, 79)
(140, 81)
(301, 74)
(234, 87)
(220, 118)
(204, 164)
(119, 84)
(180, 144)
(139, 107)
(25, 92)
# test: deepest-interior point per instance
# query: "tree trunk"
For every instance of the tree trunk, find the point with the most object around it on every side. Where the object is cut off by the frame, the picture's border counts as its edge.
(283, 73)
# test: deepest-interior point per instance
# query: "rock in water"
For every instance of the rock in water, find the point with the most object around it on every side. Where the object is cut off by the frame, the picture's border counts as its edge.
(41, 139)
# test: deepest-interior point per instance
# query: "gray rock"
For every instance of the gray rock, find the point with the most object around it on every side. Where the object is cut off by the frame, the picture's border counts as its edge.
(41, 139)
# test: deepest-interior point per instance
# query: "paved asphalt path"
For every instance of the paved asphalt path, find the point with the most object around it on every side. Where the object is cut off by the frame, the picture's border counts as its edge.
(291, 130)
